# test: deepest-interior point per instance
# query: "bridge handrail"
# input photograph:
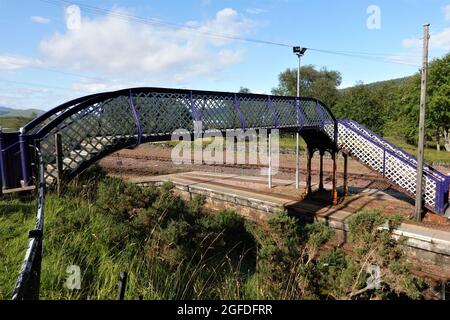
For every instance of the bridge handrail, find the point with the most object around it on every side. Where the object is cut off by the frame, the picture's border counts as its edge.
(395, 155)
(62, 107)
(28, 282)
(125, 93)
(440, 185)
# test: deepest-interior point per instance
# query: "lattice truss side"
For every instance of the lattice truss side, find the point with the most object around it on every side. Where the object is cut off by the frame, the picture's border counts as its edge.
(51, 118)
(216, 112)
(255, 112)
(387, 163)
(163, 113)
(285, 112)
(118, 120)
(88, 132)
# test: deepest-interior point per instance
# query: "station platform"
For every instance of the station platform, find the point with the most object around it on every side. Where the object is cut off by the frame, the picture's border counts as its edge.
(251, 197)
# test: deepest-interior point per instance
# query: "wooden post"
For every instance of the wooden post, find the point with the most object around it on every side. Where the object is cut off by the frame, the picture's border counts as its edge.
(321, 171)
(59, 162)
(334, 191)
(423, 96)
(345, 174)
(309, 155)
(122, 285)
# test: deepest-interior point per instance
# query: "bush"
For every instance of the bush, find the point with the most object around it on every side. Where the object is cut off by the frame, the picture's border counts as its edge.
(123, 200)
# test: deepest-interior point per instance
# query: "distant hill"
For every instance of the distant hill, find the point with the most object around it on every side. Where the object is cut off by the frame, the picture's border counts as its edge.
(27, 113)
(384, 83)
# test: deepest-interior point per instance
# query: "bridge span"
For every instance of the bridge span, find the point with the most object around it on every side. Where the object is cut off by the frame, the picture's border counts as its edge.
(78, 133)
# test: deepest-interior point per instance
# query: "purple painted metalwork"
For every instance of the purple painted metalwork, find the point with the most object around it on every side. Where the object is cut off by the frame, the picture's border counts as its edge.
(237, 104)
(194, 110)
(24, 158)
(405, 154)
(389, 151)
(439, 202)
(300, 116)
(272, 109)
(2, 161)
(446, 185)
(316, 117)
(440, 185)
(319, 111)
(136, 118)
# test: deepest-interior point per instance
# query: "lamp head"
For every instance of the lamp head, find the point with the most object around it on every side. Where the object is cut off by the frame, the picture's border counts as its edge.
(299, 50)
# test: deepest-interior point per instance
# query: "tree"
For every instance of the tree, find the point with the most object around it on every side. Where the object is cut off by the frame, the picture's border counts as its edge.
(437, 116)
(320, 84)
(244, 90)
(438, 113)
(360, 103)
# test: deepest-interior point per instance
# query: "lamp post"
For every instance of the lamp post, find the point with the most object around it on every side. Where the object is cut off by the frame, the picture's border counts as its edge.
(299, 51)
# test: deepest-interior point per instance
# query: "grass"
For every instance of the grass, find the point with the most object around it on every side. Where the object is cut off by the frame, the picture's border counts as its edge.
(10, 124)
(286, 141)
(430, 155)
(173, 249)
(103, 242)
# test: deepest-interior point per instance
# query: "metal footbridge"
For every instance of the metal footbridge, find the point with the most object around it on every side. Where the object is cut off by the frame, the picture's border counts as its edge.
(94, 126)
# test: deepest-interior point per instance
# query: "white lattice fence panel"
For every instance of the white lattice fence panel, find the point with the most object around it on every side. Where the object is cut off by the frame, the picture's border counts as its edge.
(396, 169)
(388, 146)
(405, 176)
(368, 153)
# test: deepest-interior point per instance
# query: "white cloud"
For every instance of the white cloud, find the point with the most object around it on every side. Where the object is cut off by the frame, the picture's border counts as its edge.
(447, 12)
(438, 40)
(94, 86)
(409, 58)
(10, 63)
(120, 47)
(40, 20)
(255, 10)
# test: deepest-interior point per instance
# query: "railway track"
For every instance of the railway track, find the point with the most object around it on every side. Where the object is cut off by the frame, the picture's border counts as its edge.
(358, 176)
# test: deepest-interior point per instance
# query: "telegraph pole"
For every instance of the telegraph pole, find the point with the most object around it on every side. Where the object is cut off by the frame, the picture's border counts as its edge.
(423, 96)
(299, 51)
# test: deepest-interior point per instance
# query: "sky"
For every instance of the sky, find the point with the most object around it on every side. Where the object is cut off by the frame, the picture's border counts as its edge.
(52, 51)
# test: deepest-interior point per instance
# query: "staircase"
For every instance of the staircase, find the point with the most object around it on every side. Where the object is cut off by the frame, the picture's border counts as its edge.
(84, 151)
(394, 164)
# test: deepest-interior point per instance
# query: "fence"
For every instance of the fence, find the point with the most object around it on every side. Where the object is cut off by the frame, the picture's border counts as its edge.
(28, 283)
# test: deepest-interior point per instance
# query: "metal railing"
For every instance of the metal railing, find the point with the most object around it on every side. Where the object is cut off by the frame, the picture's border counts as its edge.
(28, 283)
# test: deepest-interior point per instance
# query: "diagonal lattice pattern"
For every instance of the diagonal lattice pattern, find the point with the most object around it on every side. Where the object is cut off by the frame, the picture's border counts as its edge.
(396, 150)
(96, 125)
(383, 159)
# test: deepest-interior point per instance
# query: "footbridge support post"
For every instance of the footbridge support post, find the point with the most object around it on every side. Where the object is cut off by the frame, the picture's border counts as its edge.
(269, 176)
(321, 170)
(309, 155)
(334, 191)
(345, 174)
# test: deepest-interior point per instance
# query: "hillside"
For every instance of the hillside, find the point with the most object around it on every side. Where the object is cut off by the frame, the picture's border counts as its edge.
(382, 84)
(10, 112)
